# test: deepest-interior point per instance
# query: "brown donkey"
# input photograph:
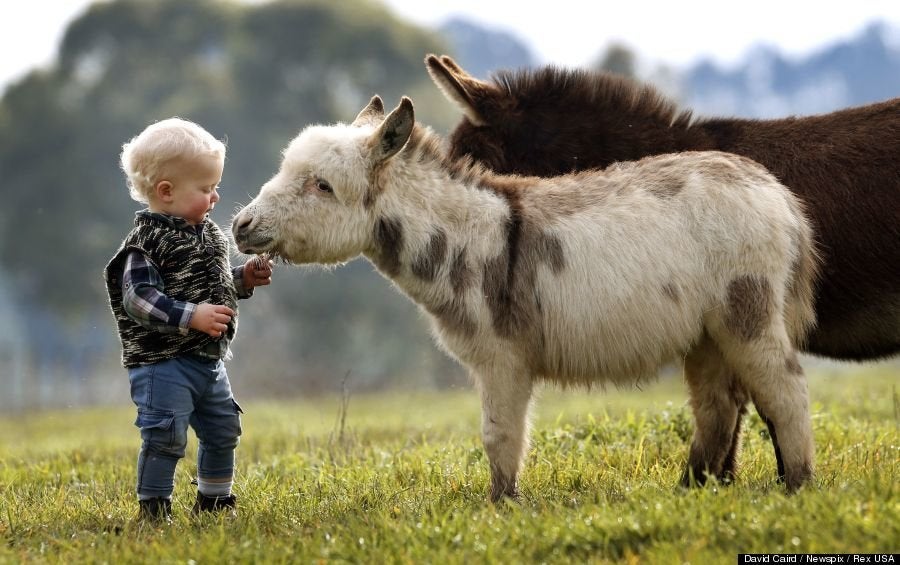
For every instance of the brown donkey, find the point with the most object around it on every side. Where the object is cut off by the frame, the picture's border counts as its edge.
(845, 166)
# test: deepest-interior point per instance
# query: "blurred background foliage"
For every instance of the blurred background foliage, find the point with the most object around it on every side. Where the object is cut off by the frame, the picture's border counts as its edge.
(253, 74)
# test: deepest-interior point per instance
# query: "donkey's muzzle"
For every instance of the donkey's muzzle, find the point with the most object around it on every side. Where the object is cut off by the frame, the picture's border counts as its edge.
(248, 240)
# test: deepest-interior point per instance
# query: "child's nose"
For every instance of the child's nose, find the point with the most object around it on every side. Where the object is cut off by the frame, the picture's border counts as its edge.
(215, 196)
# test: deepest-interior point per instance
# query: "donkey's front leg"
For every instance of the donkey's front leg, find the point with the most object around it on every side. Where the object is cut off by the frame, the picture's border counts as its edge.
(505, 400)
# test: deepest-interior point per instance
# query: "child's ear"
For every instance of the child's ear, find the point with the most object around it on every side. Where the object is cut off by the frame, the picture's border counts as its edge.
(163, 191)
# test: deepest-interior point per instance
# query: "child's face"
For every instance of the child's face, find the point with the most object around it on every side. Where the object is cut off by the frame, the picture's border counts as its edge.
(193, 190)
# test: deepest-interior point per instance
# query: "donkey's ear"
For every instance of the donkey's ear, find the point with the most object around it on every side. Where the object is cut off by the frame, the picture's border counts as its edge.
(451, 64)
(394, 132)
(459, 87)
(372, 114)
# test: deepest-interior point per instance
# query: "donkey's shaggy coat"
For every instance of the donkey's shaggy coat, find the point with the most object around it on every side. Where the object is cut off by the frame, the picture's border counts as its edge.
(587, 278)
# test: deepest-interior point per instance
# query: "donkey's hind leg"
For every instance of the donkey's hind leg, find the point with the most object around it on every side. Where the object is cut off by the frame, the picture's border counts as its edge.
(779, 460)
(718, 403)
(729, 467)
(766, 366)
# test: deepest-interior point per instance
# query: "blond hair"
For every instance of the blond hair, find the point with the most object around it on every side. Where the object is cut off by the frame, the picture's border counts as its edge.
(145, 156)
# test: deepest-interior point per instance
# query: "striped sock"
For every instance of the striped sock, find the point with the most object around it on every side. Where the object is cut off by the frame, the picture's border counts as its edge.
(149, 496)
(214, 489)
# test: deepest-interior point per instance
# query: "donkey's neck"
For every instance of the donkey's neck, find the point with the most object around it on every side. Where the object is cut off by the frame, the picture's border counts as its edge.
(431, 227)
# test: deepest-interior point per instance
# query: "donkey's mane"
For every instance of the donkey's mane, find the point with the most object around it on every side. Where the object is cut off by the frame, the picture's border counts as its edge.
(590, 91)
(425, 145)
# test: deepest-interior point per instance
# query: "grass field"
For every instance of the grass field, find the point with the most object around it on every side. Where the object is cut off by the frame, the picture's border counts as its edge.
(405, 480)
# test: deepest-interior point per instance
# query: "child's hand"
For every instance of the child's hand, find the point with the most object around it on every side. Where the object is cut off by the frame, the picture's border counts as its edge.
(258, 272)
(211, 319)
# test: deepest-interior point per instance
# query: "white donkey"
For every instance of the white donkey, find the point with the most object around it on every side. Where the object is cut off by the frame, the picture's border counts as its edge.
(595, 277)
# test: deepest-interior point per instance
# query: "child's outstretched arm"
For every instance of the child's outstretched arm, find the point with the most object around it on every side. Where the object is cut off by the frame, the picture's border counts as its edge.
(145, 302)
(257, 271)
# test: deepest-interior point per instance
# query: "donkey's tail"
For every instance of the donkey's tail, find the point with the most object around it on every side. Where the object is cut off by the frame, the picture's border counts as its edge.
(800, 297)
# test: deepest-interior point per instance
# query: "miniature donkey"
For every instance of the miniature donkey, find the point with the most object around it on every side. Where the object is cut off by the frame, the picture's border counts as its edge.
(593, 277)
(843, 165)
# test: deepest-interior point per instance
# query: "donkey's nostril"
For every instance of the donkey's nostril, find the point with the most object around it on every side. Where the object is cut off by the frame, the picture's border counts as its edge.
(241, 223)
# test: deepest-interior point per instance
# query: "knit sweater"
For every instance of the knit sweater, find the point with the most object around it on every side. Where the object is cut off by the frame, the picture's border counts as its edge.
(194, 268)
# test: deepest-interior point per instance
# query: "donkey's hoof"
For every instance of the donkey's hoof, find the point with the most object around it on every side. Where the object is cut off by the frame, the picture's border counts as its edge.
(693, 478)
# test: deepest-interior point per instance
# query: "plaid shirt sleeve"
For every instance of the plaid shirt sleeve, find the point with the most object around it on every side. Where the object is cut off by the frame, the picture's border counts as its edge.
(145, 301)
(238, 274)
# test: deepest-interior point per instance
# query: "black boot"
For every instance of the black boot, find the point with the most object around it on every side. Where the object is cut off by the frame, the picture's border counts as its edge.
(215, 504)
(156, 510)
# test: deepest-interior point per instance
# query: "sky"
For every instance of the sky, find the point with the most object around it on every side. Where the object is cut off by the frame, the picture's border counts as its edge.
(571, 33)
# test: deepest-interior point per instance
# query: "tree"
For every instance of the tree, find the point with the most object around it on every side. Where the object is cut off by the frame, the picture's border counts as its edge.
(618, 59)
(252, 74)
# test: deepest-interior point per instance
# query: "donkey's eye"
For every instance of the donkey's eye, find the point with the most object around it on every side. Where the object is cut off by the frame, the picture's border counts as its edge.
(323, 186)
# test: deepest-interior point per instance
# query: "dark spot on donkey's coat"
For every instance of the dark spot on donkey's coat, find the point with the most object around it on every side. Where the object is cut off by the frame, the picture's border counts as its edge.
(671, 290)
(453, 316)
(509, 279)
(792, 364)
(427, 264)
(388, 245)
(749, 306)
(667, 180)
(461, 276)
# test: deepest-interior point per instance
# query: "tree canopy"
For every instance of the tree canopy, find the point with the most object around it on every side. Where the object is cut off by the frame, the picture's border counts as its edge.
(253, 75)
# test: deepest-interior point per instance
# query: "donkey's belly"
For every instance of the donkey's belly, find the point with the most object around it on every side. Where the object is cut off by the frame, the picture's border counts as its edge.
(624, 345)
(863, 331)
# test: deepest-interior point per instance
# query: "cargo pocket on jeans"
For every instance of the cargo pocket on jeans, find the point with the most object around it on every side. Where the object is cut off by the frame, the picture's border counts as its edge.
(156, 426)
(237, 421)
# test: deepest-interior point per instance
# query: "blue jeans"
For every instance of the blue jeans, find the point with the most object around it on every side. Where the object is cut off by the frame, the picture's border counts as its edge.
(170, 396)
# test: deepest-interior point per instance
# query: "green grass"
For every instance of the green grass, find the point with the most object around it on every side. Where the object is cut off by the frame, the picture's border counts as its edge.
(406, 480)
